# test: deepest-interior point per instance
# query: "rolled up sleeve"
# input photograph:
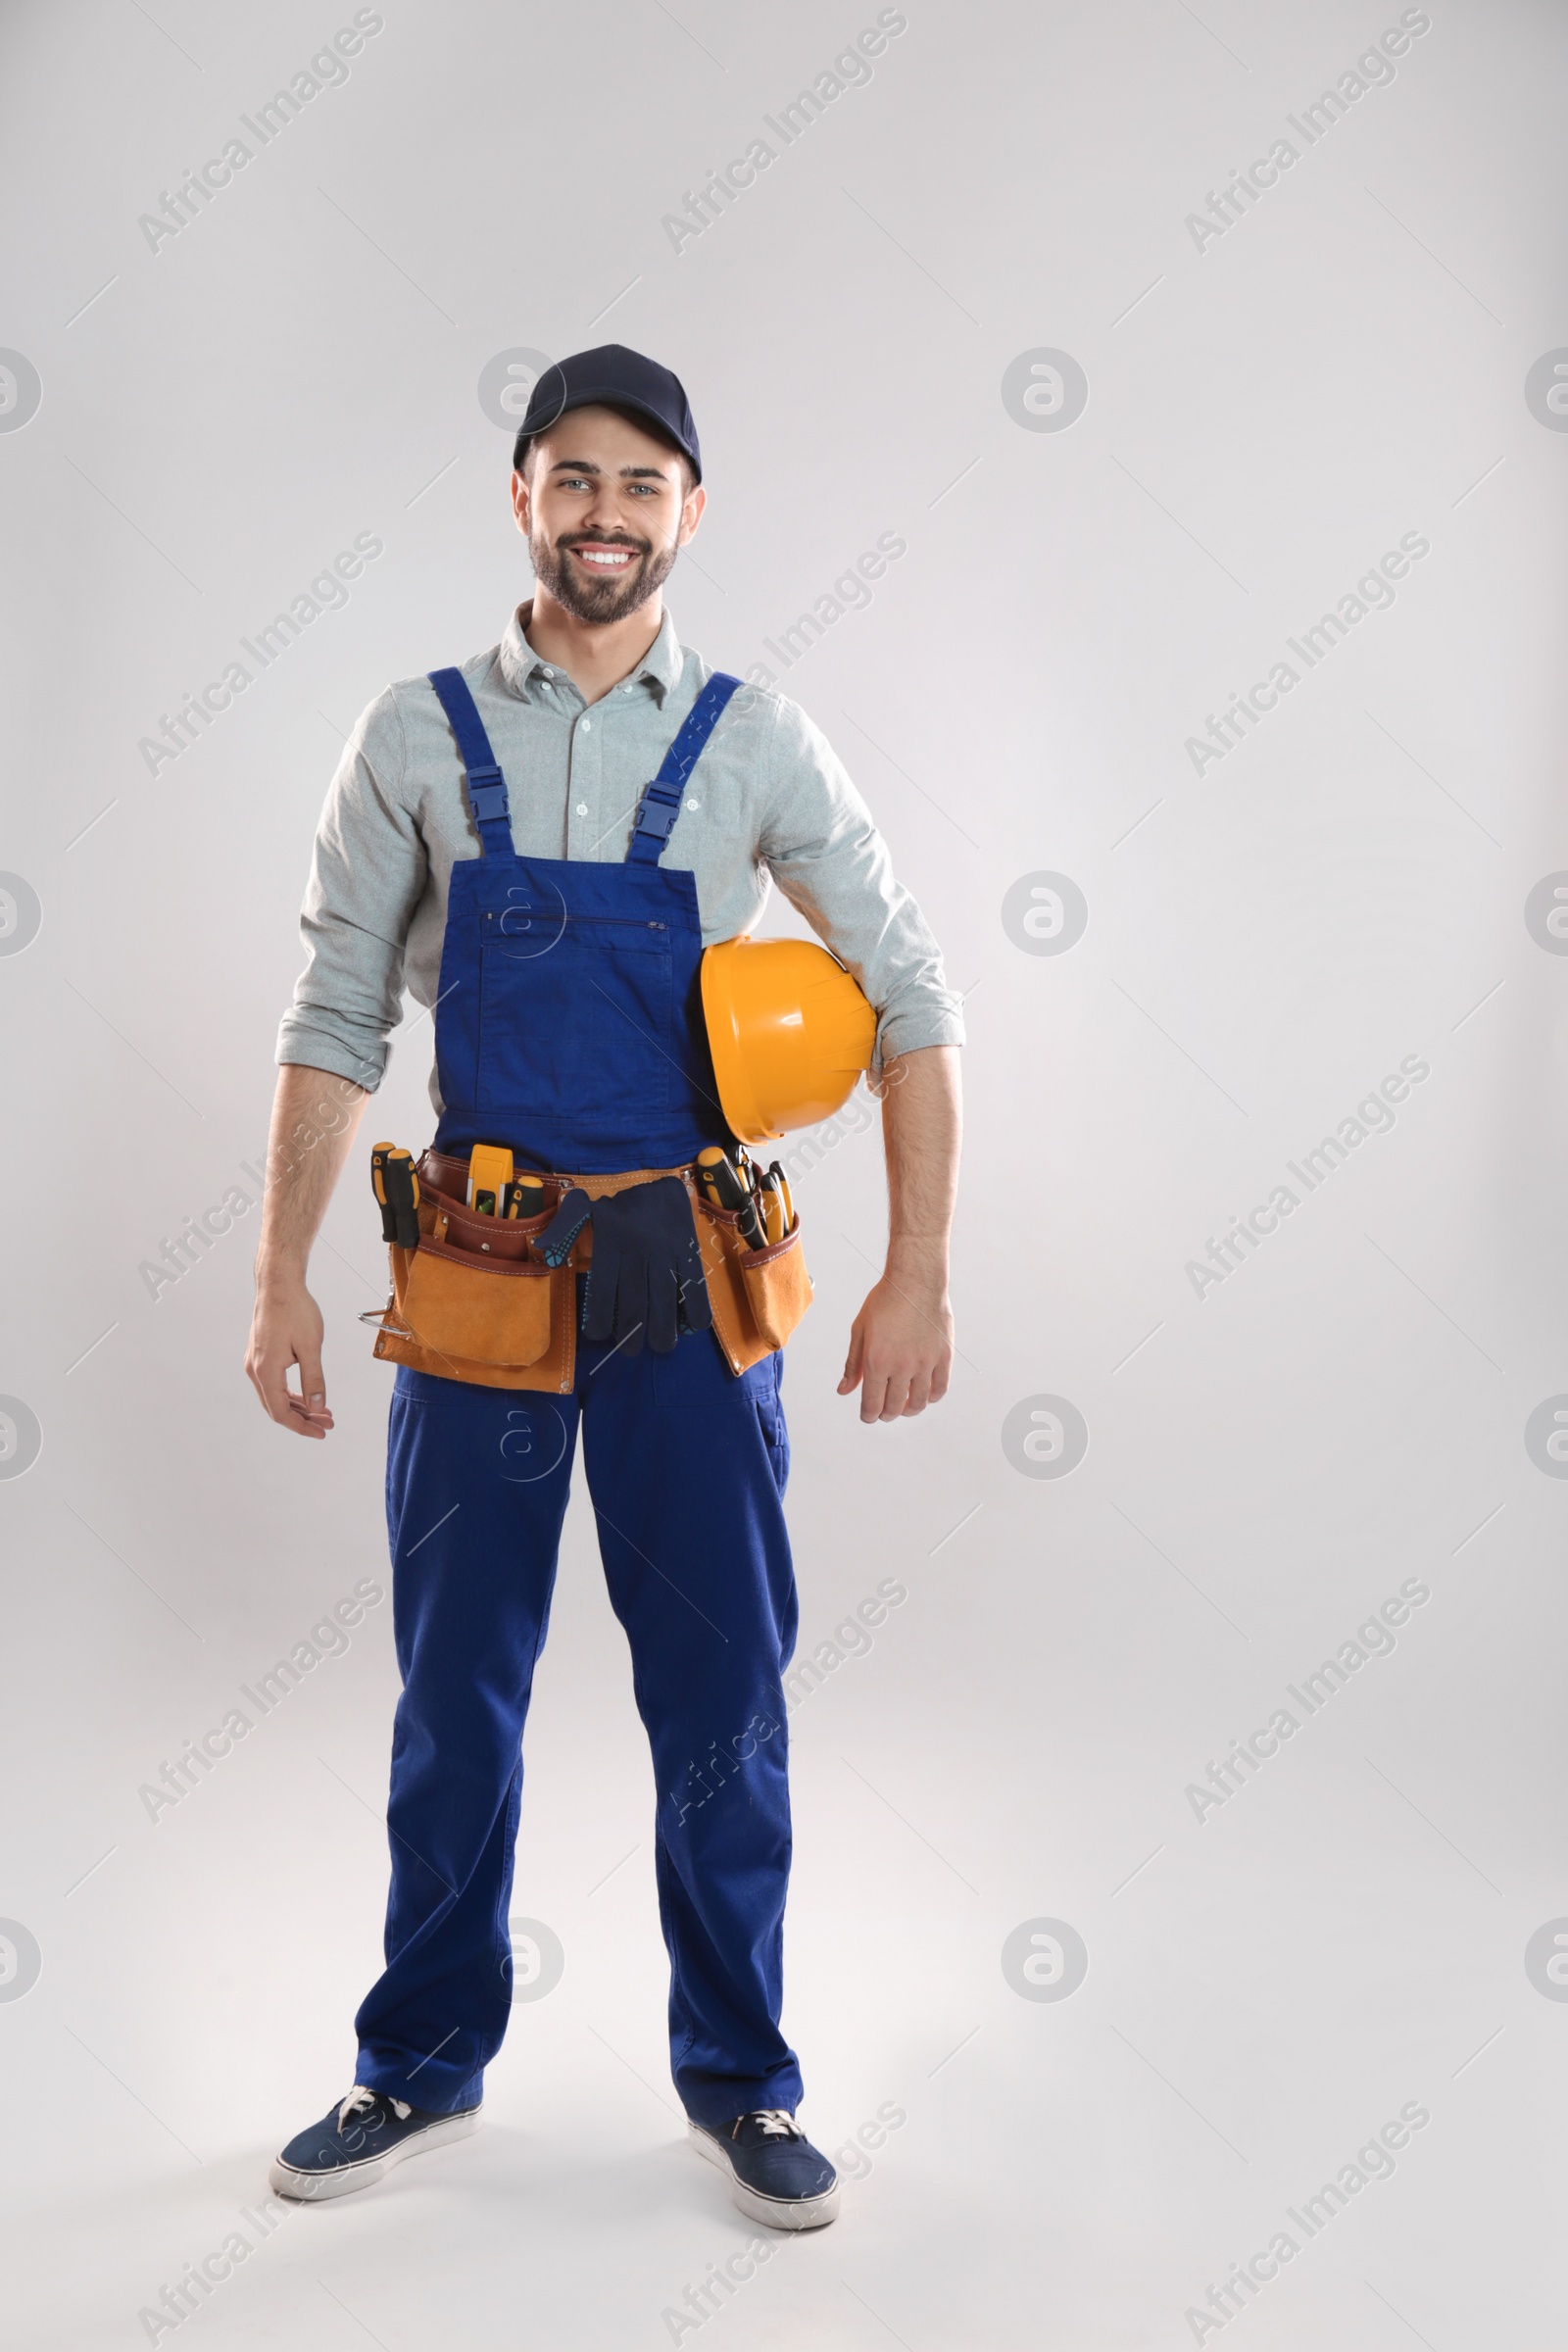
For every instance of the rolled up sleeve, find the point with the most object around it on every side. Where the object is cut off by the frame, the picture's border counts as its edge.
(367, 873)
(822, 849)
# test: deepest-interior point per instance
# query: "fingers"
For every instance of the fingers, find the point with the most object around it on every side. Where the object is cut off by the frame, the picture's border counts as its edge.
(889, 1391)
(632, 1304)
(599, 1307)
(555, 1243)
(302, 1411)
(854, 1361)
(664, 1296)
(308, 1415)
(313, 1388)
(695, 1304)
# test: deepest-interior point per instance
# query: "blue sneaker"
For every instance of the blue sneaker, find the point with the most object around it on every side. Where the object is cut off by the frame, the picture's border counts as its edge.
(357, 2142)
(775, 2174)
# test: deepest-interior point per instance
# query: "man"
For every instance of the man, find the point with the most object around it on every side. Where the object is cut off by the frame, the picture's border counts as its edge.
(414, 884)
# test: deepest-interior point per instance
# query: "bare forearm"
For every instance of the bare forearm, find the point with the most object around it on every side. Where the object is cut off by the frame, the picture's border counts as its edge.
(922, 1129)
(314, 1117)
(900, 1343)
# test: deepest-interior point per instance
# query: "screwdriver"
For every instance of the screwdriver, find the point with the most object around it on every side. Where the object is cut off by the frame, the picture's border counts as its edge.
(786, 1198)
(781, 1185)
(771, 1205)
(380, 1155)
(523, 1197)
(403, 1192)
(721, 1184)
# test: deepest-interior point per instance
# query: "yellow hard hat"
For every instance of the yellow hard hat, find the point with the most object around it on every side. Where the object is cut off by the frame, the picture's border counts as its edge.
(789, 1030)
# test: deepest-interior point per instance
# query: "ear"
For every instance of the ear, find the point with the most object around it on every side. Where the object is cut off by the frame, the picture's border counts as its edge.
(691, 513)
(521, 503)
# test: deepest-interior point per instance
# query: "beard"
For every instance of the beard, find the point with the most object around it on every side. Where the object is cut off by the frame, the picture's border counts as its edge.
(594, 599)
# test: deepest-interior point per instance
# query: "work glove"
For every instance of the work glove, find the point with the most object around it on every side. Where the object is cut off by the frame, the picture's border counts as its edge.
(646, 1273)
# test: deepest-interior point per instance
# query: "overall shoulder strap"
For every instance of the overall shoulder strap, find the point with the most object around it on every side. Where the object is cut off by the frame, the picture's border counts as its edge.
(660, 802)
(487, 785)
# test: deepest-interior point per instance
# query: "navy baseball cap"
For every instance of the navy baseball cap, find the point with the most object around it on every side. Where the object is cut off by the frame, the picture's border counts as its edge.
(613, 377)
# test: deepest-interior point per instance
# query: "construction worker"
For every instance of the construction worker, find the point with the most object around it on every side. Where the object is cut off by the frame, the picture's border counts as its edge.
(491, 844)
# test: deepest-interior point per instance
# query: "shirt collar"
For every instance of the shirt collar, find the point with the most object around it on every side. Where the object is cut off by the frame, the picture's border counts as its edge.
(523, 670)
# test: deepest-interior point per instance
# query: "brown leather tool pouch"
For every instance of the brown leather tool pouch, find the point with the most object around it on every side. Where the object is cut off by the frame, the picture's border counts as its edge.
(758, 1295)
(473, 1304)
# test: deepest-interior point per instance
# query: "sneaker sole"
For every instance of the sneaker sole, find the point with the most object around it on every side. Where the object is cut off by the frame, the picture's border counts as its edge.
(310, 2188)
(778, 2213)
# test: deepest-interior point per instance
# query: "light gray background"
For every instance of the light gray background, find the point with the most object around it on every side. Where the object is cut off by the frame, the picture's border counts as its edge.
(1266, 417)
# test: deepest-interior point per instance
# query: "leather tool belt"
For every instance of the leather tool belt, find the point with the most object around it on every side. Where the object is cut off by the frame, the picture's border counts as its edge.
(474, 1303)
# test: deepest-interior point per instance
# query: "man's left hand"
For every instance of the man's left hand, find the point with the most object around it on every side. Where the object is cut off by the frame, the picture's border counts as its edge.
(900, 1346)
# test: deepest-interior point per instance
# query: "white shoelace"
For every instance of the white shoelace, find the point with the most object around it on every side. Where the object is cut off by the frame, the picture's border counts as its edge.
(362, 2096)
(776, 2123)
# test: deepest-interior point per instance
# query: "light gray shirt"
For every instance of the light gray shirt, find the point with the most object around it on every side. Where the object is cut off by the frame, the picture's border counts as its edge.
(767, 801)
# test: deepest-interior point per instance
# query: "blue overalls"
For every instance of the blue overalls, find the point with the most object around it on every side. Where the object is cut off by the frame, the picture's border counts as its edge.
(570, 1026)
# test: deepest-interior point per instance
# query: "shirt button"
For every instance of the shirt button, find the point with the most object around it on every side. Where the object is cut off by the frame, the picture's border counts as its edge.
(586, 724)
(691, 804)
(582, 808)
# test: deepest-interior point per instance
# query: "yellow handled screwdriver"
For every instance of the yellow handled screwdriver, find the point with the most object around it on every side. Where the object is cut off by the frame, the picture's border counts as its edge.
(403, 1190)
(786, 1198)
(774, 1223)
(380, 1155)
(724, 1188)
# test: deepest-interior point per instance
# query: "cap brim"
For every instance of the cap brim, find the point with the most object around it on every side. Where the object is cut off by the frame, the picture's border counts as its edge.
(597, 397)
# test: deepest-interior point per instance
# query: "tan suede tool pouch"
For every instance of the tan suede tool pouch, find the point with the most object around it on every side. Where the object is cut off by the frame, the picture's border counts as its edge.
(471, 1304)
(758, 1295)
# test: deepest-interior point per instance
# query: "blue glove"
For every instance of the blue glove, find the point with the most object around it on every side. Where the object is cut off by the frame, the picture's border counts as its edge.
(646, 1272)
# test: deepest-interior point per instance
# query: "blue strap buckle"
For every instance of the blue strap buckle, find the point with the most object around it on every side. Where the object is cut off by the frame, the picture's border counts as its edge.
(658, 813)
(487, 794)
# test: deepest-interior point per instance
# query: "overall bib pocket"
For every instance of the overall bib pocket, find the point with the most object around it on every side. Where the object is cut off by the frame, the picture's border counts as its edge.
(590, 1003)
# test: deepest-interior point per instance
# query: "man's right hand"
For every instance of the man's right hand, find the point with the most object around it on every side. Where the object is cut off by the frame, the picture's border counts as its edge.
(286, 1330)
(314, 1115)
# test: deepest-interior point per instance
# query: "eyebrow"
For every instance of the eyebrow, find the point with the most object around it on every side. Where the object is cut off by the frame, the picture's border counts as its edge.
(628, 473)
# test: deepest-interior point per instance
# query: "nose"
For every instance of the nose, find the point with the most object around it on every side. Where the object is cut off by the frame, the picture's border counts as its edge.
(603, 509)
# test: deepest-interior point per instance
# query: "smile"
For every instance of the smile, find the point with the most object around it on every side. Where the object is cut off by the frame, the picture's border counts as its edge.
(605, 559)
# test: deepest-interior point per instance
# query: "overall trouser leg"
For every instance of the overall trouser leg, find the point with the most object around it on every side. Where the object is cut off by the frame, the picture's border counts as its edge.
(686, 1467)
(477, 1481)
